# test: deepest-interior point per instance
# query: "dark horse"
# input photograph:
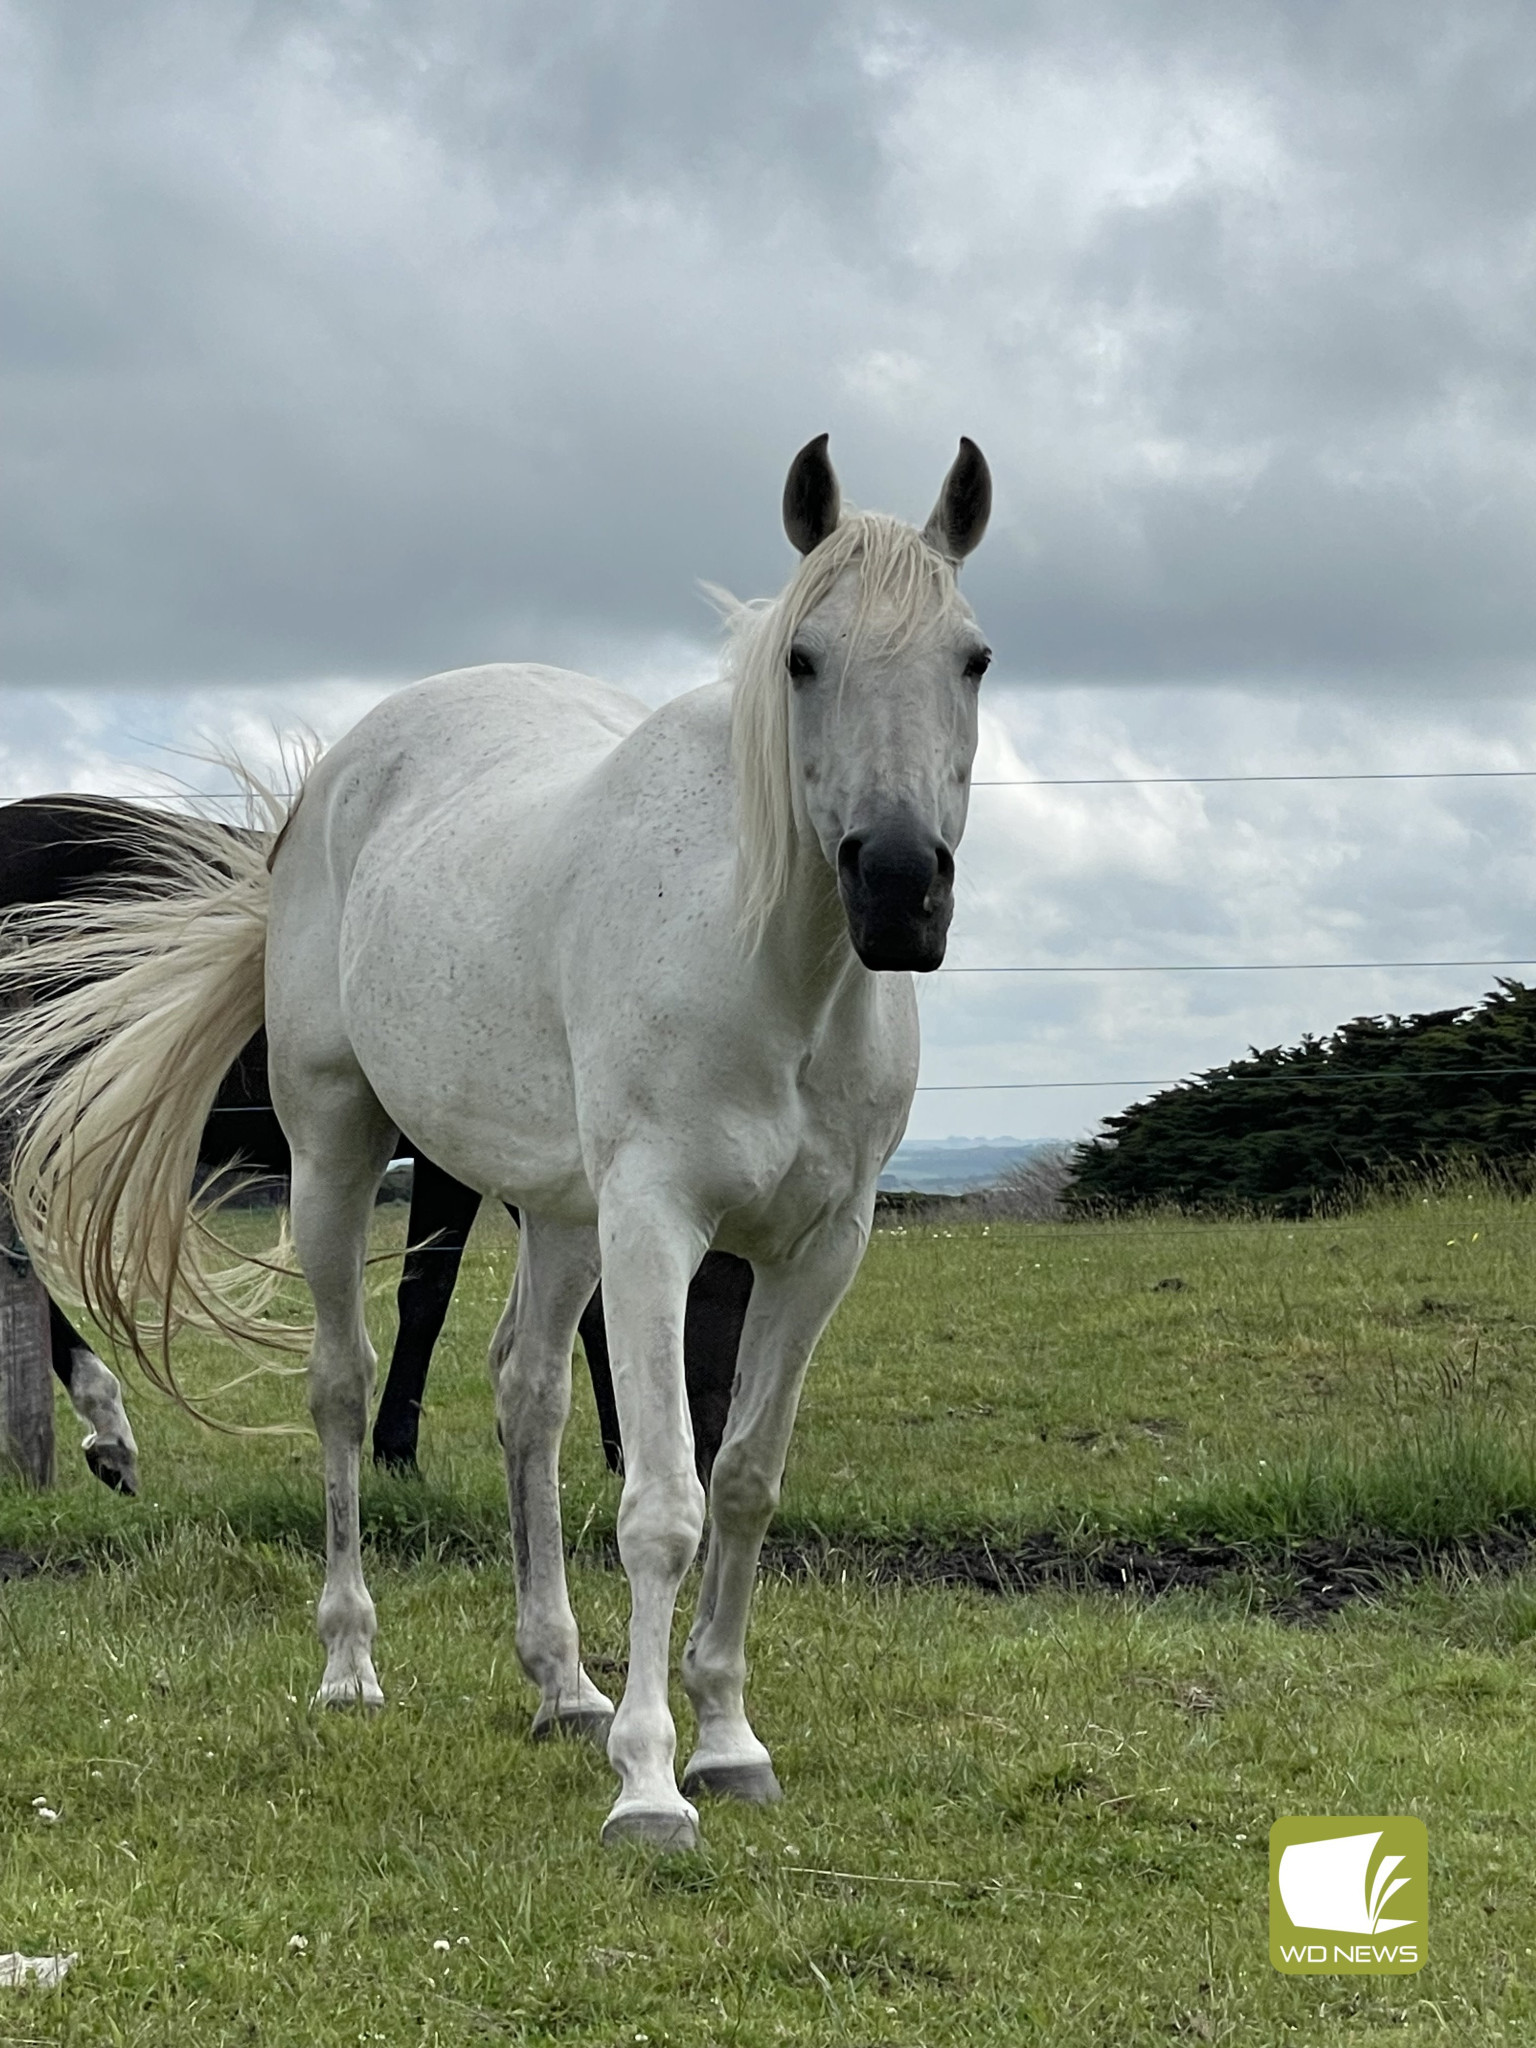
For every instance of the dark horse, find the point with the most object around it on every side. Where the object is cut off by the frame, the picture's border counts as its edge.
(61, 846)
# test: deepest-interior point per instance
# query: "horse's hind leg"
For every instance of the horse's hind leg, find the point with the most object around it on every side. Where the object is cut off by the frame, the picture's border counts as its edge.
(443, 1212)
(341, 1145)
(531, 1368)
(96, 1397)
(718, 1301)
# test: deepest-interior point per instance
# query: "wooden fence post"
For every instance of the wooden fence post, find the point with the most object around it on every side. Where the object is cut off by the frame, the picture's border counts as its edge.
(26, 1377)
(26, 1372)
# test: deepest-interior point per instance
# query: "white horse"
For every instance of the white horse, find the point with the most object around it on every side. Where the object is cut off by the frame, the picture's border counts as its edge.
(644, 974)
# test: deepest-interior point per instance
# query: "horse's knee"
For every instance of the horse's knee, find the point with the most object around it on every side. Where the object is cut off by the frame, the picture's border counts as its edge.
(660, 1522)
(741, 1493)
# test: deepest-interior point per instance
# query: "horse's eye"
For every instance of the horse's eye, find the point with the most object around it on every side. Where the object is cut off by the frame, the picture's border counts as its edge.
(801, 667)
(978, 664)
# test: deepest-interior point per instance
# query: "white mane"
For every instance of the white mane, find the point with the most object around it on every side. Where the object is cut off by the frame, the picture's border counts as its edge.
(905, 583)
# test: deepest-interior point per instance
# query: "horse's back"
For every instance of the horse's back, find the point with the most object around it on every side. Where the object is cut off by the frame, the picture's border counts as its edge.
(57, 846)
(520, 726)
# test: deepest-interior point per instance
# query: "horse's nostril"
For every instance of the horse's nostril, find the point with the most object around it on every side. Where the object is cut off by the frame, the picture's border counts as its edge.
(944, 864)
(848, 857)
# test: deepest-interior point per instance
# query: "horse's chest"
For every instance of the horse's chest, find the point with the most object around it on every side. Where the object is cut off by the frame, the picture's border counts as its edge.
(816, 1166)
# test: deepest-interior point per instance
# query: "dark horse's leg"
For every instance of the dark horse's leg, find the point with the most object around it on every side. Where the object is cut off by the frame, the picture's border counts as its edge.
(593, 1332)
(96, 1397)
(717, 1308)
(443, 1211)
(53, 848)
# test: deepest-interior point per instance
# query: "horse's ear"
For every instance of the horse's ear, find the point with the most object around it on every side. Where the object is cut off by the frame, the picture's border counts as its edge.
(965, 504)
(812, 501)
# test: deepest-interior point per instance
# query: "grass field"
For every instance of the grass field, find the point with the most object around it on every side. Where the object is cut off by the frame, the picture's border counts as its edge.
(1040, 1817)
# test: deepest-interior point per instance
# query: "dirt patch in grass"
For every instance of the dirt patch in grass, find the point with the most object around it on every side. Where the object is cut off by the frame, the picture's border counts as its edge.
(20, 1564)
(27, 1564)
(1305, 1582)
(1302, 1580)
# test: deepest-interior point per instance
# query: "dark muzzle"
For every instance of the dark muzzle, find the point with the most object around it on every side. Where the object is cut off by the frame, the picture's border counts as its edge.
(897, 883)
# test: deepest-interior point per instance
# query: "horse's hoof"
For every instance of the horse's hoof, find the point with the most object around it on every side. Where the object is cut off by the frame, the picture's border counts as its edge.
(753, 1784)
(653, 1827)
(113, 1464)
(581, 1724)
(351, 1691)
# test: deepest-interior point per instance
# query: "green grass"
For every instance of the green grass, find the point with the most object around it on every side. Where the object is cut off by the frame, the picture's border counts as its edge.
(1049, 1812)
(1055, 1377)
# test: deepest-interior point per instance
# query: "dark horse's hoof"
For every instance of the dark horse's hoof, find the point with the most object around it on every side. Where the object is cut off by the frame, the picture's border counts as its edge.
(113, 1464)
(398, 1464)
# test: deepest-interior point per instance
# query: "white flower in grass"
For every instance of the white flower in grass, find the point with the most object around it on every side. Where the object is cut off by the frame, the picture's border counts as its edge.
(298, 1943)
(442, 1947)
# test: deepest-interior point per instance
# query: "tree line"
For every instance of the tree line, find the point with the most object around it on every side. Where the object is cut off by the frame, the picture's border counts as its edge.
(1289, 1127)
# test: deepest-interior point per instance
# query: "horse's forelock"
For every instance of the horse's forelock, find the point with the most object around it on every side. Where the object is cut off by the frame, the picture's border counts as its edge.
(904, 584)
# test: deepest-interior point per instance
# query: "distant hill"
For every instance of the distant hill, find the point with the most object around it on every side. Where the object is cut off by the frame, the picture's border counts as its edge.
(952, 1166)
(921, 1166)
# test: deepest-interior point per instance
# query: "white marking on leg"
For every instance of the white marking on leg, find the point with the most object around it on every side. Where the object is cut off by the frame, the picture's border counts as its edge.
(96, 1396)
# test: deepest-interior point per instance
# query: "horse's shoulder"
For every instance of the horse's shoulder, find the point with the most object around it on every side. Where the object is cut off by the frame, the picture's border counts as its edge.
(696, 723)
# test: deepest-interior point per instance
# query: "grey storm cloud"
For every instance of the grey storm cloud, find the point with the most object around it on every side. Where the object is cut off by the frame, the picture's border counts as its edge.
(369, 339)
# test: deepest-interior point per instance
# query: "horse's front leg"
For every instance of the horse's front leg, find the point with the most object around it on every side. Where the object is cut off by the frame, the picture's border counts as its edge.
(790, 1307)
(650, 1248)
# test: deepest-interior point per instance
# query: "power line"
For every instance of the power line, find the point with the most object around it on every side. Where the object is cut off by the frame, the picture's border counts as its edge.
(1243, 967)
(183, 796)
(1157, 781)
(1287, 1075)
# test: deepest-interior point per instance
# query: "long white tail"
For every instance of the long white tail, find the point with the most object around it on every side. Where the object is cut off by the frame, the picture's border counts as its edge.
(135, 1004)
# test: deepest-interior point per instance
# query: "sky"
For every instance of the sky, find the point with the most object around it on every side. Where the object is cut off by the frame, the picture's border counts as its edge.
(347, 343)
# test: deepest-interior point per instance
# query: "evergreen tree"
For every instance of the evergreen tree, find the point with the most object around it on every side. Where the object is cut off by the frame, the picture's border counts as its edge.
(1282, 1128)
